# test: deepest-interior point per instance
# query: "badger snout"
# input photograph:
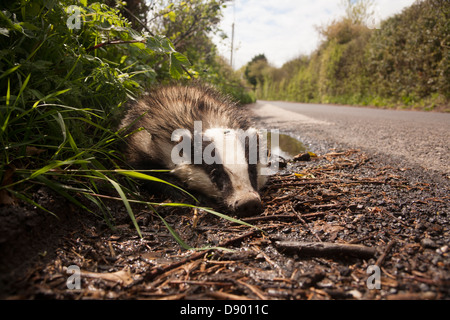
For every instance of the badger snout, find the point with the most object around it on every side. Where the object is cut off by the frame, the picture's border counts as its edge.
(249, 205)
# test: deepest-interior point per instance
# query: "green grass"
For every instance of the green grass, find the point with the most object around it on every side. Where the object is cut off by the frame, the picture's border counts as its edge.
(60, 100)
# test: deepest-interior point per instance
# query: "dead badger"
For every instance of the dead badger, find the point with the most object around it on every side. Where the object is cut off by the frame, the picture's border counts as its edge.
(202, 137)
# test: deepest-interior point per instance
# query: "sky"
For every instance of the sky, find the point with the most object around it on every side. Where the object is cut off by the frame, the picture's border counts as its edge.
(284, 29)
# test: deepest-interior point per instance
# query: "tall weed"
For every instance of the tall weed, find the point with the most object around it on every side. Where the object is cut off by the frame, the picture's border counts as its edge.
(60, 89)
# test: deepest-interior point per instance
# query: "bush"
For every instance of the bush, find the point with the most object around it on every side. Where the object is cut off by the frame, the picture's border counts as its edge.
(62, 83)
(409, 55)
(405, 62)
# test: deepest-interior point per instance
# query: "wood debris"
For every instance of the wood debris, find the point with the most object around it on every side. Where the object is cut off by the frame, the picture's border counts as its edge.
(325, 222)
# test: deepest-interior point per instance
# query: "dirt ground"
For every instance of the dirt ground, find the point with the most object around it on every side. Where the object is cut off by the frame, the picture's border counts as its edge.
(342, 225)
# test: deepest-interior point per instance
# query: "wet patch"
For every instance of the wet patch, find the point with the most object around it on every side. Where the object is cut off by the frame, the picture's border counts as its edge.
(289, 146)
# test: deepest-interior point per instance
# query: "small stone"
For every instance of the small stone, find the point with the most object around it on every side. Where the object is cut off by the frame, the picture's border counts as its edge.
(428, 243)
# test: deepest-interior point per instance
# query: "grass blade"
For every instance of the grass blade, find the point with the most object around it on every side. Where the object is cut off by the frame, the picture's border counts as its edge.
(60, 188)
(180, 241)
(9, 71)
(24, 198)
(139, 175)
(126, 203)
(55, 165)
(22, 88)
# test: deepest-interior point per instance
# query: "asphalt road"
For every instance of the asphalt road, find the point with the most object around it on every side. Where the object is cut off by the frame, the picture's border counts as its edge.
(411, 138)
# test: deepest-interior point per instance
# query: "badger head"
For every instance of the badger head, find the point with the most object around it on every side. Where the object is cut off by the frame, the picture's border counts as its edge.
(221, 160)
(224, 164)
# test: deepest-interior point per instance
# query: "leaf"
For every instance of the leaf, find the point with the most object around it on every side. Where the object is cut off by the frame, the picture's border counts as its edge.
(33, 151)
(172, 16)
(177, 61)
(159, 44)
(304, 176)
(5, 197)
(181, 58)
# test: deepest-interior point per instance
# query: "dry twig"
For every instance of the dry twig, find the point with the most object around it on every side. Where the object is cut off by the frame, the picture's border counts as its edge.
(326, 249)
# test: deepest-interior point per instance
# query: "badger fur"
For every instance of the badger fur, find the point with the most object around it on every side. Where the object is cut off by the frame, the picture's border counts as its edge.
(233, 182)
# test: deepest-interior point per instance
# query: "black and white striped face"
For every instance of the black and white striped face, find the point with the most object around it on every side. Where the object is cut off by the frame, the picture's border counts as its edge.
(229, 169)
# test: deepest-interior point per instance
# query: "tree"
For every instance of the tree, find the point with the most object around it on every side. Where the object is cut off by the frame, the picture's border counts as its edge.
(188, 24)
(254, 70)
(410, 56)
(134, 11)
(359, 12)
(403, 62)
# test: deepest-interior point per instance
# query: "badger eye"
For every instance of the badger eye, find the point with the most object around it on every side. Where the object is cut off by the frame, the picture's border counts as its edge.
(226, 131)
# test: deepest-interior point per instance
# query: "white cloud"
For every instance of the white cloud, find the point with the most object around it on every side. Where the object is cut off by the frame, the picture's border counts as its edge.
(284, 29)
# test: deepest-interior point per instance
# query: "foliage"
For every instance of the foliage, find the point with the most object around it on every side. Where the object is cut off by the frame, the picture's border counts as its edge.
(135, 11)
(359, 12)
(219, 73)
(189, 25)
(66, 71)
(403, 63)
(254, 71)
(410, 56)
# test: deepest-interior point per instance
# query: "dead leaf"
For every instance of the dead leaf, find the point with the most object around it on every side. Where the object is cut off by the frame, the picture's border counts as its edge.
(33, 151)
(304, 176)
(331, 229)
(5, 197)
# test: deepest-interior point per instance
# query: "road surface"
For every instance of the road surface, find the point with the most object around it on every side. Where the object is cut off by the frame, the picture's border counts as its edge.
(420, 139)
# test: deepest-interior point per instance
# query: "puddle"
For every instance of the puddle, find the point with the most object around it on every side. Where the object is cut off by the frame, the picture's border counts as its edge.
(289, 146)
